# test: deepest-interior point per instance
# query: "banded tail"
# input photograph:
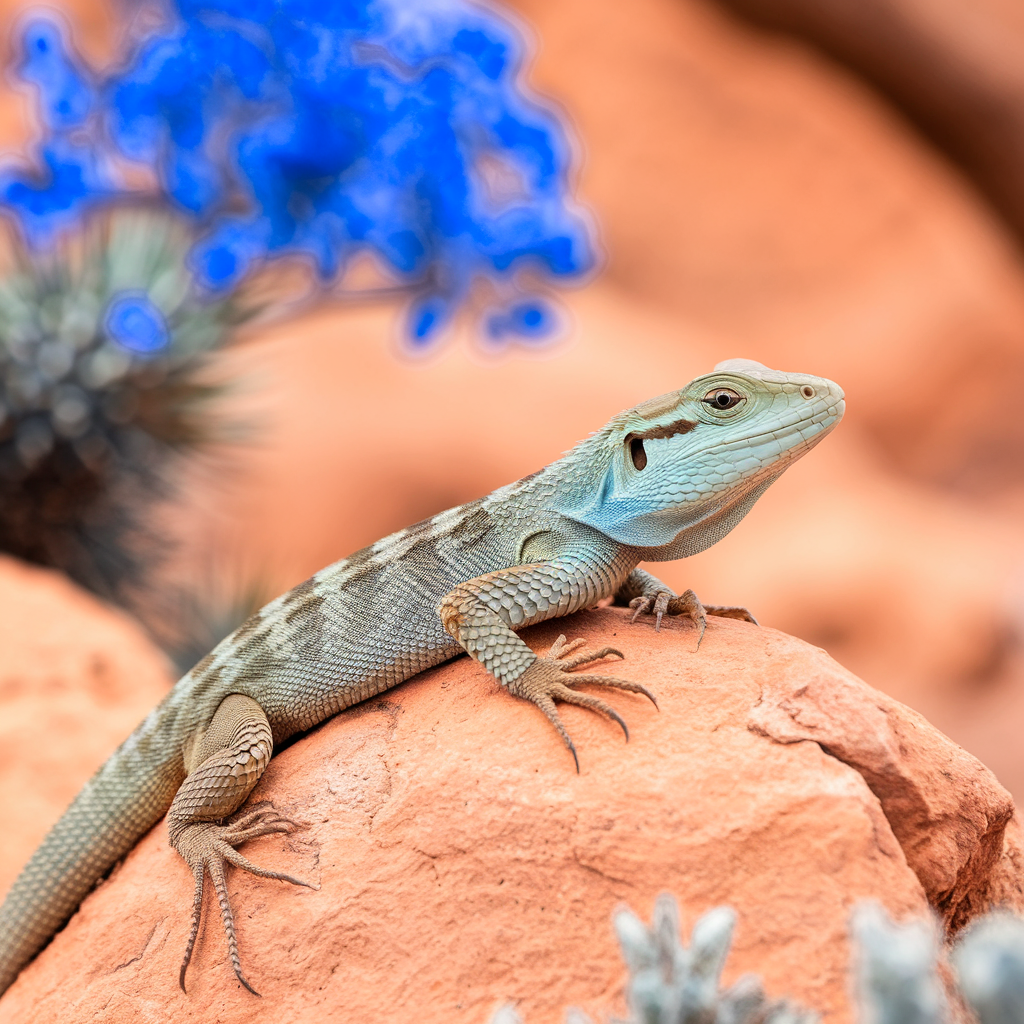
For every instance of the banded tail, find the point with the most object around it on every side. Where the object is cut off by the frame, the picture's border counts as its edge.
(124, 799)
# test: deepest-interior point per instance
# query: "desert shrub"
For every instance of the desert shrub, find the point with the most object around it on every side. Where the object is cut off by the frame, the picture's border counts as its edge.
(896, 968)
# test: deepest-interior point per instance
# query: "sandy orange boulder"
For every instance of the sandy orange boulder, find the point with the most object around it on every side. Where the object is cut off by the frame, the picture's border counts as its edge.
(76, 676)
(462, 862)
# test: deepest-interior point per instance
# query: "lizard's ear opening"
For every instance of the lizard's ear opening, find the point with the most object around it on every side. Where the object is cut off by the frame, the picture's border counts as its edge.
(637, 453)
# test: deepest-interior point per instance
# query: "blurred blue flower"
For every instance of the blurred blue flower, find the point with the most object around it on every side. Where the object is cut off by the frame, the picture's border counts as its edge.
(135, 323)
(70, 180)
(65, 92)
(529, 320)
(327, 129)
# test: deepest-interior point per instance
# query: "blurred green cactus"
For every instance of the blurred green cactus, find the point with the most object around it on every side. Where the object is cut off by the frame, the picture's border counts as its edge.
(104, 346)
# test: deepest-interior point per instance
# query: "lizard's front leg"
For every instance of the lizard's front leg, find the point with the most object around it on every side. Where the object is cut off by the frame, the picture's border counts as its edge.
(225, 762)
(646, 593)
(481, 614)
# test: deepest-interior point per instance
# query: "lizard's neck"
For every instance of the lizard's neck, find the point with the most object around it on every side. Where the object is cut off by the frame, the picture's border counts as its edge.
(568, 484)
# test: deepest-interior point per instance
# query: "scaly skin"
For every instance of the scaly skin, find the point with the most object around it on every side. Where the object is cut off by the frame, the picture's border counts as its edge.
(662, 481)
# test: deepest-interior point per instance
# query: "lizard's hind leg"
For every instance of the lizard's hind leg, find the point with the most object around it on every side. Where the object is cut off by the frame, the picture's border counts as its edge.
(225, 762)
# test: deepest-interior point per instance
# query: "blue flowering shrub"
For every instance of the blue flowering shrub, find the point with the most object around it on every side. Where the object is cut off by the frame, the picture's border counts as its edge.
(232, 134)
(394, 128)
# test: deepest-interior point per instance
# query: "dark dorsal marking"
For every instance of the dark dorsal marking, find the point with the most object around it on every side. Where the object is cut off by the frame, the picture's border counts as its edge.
(301, 600)
(472, 530)
(682, 426)
(635, 439)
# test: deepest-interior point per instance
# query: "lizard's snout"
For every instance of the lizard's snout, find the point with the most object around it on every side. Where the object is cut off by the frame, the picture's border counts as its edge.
(826, 391)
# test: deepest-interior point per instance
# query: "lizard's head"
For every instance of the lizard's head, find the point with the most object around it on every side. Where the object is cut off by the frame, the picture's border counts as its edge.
(696, 460)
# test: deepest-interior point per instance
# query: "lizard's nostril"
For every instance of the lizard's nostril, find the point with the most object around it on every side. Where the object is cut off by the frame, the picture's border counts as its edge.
(807, 391)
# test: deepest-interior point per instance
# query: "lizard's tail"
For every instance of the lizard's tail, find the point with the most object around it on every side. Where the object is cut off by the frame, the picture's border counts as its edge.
(121, 802)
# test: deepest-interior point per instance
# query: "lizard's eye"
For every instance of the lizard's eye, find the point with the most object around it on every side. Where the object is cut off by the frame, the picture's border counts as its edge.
(722, 398)
(637, 453)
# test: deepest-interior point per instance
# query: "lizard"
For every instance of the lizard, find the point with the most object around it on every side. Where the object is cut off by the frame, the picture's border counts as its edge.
(660, 481)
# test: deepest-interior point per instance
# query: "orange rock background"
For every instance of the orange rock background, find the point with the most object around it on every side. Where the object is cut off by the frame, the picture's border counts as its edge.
(462, 863)
(753, 199)
(75, 678)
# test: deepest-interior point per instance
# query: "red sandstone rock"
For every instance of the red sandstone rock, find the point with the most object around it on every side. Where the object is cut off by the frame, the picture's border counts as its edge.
(463, 863)
(76, 676)
(946, 810)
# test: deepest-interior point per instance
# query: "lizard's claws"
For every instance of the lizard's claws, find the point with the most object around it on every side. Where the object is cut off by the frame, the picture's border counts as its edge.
(548, 680)
(206, 846)
(687, 604)
(658, 606)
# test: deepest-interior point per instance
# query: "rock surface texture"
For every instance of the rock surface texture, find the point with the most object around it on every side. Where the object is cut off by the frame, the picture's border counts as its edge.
(76, 676)
(462, 862)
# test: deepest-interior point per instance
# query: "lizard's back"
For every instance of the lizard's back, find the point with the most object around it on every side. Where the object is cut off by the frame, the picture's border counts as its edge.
(358, 627)
(353, 630)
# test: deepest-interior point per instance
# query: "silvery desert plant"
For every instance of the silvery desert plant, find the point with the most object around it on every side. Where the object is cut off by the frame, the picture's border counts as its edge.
(895, 970)
(989, 962)
(897, 981)
(671, 983)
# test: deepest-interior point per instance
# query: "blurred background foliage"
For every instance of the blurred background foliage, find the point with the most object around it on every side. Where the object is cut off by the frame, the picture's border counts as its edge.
(369, 127)
(101, 381)
(317, 133)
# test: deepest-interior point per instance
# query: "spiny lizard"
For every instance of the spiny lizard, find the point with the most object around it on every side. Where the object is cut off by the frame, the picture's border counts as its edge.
(661, 481)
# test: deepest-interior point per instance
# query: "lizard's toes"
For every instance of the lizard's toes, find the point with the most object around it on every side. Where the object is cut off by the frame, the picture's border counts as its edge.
(615, 683)
(547, 705)
(583, 700)
(639, 606)
(585, 659)
(660, 608)
(730, 612)
(688, 604)
(206, 847)
(561, 647)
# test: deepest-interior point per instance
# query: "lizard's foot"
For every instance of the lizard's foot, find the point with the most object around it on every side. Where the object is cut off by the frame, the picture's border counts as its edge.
(548, 680)
(664, 602)
(206, 846)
